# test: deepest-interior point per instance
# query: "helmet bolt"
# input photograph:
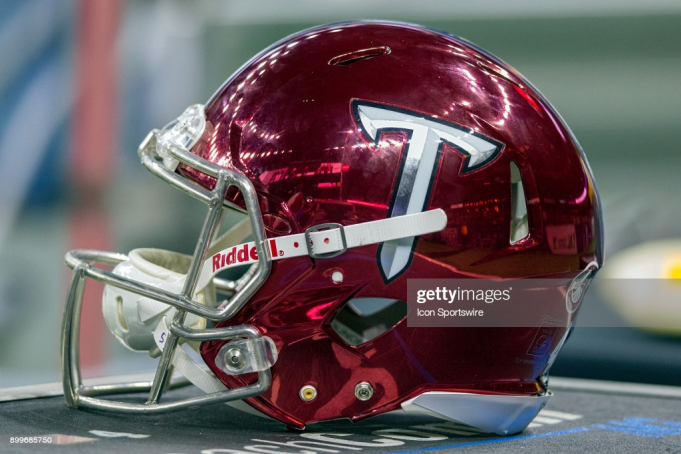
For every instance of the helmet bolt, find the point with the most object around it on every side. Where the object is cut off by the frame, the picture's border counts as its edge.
(235, 359)
(364, 391)
(307, 393)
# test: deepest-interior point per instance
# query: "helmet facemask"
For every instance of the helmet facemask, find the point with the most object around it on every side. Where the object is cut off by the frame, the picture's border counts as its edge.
(165, 284)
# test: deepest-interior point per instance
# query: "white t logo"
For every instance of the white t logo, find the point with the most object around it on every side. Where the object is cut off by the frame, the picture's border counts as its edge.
(419, 164)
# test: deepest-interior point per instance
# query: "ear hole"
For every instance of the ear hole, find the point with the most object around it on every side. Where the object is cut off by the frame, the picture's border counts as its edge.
(119, 310)
(358, 55)
(519, 222)
(364, 319)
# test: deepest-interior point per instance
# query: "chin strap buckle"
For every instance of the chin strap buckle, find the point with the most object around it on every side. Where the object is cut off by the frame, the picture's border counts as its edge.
(330, 226)
(244, 356)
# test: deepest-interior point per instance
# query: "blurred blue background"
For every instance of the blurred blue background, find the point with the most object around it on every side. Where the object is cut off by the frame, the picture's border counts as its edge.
(611, 68)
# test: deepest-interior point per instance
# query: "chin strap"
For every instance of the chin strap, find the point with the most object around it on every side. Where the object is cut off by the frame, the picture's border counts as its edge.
(325, 241)
(186, 366)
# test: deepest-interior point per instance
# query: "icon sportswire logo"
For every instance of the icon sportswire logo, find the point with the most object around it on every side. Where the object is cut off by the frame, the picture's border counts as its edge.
(421, 157)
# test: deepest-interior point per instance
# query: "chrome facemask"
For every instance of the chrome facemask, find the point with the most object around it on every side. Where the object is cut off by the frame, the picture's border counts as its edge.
(161, 152)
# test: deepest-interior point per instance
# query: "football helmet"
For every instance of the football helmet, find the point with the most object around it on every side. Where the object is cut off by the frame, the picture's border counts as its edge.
(364, 154)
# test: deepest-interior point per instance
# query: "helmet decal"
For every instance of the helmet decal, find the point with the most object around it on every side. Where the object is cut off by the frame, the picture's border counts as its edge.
(418, 168)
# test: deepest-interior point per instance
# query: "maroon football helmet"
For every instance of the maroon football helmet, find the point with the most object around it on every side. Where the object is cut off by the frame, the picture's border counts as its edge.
(365, 154)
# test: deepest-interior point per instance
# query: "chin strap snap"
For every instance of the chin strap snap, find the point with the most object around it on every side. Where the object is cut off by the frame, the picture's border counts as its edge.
(241, 356)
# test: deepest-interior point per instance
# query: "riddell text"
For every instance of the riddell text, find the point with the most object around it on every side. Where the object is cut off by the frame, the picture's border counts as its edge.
(241, 254)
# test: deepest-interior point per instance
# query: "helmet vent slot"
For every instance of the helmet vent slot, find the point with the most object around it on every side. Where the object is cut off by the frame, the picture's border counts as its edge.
(358, 55)
(519, 221)
(364, 319)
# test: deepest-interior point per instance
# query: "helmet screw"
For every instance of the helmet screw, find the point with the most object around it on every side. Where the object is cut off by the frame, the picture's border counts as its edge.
(307, 393)
(364, 391)
(235, 359)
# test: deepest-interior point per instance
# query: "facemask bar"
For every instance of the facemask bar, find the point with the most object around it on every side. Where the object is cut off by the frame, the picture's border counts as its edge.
(82, 262)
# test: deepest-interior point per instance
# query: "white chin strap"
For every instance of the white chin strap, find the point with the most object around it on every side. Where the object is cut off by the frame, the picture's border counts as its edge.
(326, 240)
(140, 323)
